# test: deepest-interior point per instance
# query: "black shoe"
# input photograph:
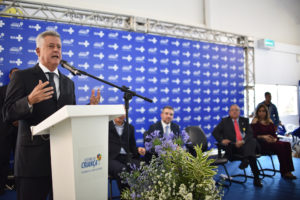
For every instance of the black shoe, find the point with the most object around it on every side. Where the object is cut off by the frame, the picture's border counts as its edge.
(244, 164)
(2, 191)
(289, 176)
(257, 183)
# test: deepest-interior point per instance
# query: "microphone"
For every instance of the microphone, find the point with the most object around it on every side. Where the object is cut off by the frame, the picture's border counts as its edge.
(69, 67)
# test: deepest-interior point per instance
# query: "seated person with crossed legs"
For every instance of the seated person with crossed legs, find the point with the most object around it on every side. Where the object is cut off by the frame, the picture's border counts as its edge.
(122, 151)
(265, 132)
(229, 133)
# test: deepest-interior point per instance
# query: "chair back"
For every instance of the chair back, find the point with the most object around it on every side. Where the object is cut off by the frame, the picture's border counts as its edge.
(197, 137)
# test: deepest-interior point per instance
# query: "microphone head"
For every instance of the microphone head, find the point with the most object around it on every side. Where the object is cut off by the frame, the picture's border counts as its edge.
(62, 62)
(69, 67)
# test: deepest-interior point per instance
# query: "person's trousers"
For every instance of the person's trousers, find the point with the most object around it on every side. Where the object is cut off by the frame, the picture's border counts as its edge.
(34, 188)
(7, 145)
(118, 165)
(284, 152)
(247, 151)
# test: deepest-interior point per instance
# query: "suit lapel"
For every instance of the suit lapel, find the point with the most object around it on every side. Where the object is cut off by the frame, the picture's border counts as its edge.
(62, 84)
(124, 132)
(230, 122)
(161, 129)
(114, 130)
(38, 72)
(172, 127)
(242, 125)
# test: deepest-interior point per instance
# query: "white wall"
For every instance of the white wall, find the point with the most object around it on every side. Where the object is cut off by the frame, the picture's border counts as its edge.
(277, 66)
(274, 19)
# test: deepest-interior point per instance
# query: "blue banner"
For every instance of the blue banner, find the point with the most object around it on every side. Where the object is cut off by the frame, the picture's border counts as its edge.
(199, 79)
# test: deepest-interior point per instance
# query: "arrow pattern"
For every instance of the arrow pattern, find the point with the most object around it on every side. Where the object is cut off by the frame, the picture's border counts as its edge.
(199, 79)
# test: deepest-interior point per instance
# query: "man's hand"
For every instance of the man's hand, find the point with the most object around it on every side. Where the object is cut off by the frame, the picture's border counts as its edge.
(15, 123)
(94, 100)
(142, 151)
(40, 93)
(225, 142)
(238, 144)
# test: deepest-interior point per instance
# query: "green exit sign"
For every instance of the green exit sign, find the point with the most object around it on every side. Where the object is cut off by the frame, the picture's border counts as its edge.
(269, 43)
(266, 43)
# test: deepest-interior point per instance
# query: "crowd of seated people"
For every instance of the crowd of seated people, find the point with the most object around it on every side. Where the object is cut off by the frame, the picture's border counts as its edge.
(237, 135)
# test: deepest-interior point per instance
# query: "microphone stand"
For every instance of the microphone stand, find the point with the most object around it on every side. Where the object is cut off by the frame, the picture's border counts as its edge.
(128, 94)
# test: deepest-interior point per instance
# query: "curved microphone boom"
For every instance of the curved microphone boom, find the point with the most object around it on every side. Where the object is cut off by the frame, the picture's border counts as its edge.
(69, 67)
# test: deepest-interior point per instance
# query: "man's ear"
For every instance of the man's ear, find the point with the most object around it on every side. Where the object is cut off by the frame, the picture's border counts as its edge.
(37, 51)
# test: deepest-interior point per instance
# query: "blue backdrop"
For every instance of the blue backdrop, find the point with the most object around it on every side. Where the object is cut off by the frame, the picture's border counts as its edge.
(199, 79)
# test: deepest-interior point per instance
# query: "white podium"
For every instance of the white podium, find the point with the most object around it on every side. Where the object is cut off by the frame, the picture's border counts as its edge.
(79, 150)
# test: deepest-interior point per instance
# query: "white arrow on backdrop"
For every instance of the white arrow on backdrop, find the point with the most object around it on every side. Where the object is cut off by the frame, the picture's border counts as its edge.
(141, 69)
(198, 118)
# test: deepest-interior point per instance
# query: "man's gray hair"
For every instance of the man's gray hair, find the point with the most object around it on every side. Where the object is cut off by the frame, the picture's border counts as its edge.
(234, 105)
(43, 35)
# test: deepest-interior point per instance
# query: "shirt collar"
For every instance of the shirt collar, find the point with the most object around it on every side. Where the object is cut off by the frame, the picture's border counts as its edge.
(164, 124)
(236, 120)
(117, 124)
(45, 69)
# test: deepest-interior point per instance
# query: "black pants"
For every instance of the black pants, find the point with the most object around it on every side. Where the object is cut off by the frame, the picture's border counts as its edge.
(7, 145)
(34, 188)
(119, 164)
(247, 151)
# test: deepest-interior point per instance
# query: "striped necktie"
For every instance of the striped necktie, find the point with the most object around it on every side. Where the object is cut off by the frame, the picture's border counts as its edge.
(52, 83)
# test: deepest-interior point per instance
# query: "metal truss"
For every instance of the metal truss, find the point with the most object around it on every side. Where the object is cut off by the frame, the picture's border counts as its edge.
(249, 81)
(194, 33)
(55, 13)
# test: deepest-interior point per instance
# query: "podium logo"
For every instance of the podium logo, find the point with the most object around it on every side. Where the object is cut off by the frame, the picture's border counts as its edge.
(99, 156)
(91, 164)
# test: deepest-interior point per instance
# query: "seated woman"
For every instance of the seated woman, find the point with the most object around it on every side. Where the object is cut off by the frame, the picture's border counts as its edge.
(264, 131)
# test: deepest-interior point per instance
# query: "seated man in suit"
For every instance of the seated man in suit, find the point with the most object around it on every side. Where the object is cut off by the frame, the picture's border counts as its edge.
(235, 133)
(122, 149)
(165, 126)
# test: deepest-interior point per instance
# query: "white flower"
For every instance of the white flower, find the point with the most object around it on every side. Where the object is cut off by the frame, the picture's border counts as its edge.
(189, 196)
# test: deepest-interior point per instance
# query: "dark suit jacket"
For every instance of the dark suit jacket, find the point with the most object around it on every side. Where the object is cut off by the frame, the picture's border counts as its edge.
(225, 129)
(3, 125)
(8, 132)
(116, 141)
(32, 157)
(6, 129)
(158, 126)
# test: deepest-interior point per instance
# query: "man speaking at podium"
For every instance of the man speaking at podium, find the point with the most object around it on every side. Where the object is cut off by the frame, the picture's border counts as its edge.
(33, 95)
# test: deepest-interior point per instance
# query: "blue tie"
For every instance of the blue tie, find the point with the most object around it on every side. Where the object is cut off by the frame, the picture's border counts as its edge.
(167, 130)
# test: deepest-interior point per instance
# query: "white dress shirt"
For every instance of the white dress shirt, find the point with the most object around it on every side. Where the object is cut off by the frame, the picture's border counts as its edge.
(56, 77)
(164, 125)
